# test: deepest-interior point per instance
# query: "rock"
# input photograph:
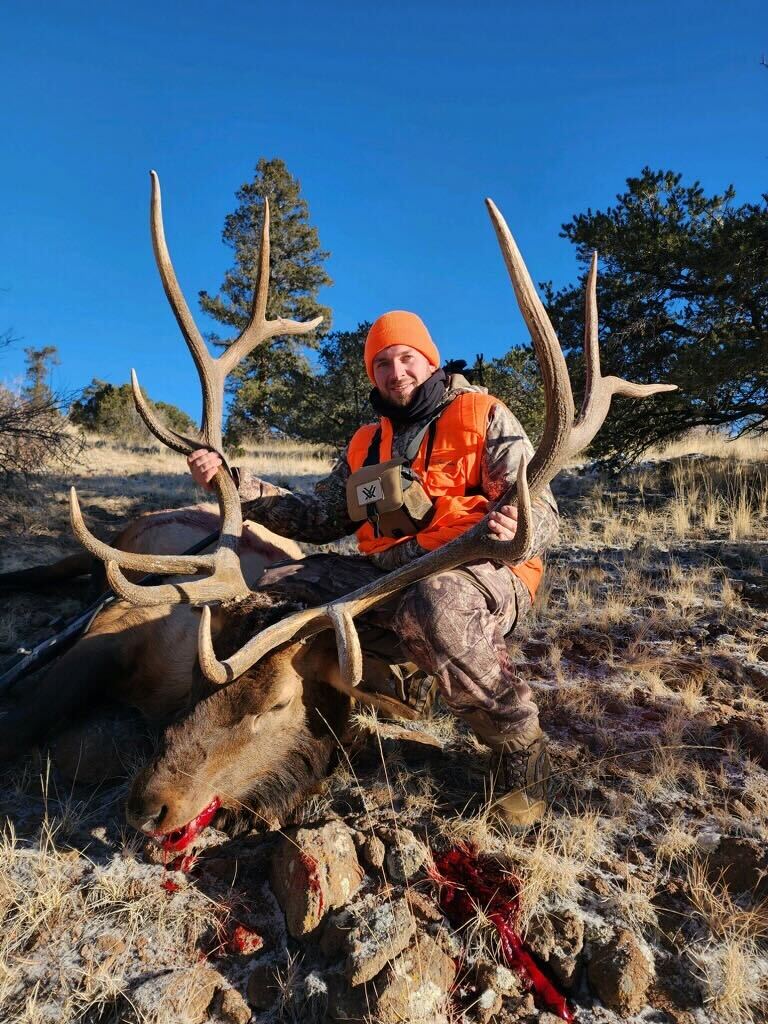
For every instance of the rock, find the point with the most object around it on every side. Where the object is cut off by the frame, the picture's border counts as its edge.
(405, 853)
(739, 863)
(314, 871)
(620, 973)
(233, 1008)
(180, 996)
(377, 937)
(344, 1003)
(373, 852)
(415, 986)
(540, 936)
(486, 1006)
(557, 940)
(569, 942)
(263, 986)
(335, 933)
(565, 969)
(424, 909)
(500, 979)
(244, 941)
(110, 943)
(757, 676)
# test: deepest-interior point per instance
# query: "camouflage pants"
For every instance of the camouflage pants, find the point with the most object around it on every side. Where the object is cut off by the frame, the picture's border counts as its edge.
(453, 626)
(450, 626)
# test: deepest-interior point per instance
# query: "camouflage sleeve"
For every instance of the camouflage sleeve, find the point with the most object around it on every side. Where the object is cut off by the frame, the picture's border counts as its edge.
(505, 442)
(317, 517)
(398, 554)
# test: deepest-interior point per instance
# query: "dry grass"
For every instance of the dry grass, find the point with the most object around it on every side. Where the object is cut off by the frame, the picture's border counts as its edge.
(715, 445)
(732, 960)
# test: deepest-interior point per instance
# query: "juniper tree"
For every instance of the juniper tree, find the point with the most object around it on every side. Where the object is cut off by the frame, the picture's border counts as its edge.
(104, 408)
(261, 383)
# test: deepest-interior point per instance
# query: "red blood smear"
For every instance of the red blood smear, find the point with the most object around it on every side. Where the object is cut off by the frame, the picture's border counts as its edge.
(180, 838)
(171, 886)
(467, 882)
(244, 941)
(185, 863)
(313, 879)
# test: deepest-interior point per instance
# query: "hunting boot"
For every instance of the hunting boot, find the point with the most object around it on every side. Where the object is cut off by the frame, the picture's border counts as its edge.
(521, 777)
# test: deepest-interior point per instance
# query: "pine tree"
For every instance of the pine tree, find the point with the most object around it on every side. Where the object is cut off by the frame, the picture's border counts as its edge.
(39, 362)
(683, 298)
(328, 403)
(297, 274)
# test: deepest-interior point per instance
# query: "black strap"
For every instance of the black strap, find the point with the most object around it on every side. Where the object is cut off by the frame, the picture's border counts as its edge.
(373, 456)
(374, 449)
(430, 444)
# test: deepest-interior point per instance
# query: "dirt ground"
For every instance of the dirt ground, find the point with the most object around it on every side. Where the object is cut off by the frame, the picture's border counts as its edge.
(648, 655)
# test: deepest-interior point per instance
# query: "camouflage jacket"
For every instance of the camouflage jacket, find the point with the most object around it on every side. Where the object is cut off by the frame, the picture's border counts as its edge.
(322, 515)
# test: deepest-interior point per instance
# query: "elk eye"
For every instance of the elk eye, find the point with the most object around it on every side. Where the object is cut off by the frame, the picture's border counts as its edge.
(281, 705)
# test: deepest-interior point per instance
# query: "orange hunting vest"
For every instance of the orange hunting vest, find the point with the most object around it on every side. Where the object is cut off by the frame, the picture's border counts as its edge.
(452, 479)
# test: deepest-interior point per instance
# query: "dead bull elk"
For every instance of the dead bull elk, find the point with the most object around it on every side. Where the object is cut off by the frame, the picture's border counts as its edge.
(281, 686)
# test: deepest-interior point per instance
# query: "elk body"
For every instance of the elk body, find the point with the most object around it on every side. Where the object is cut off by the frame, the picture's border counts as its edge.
(280, 675)
(137, 657)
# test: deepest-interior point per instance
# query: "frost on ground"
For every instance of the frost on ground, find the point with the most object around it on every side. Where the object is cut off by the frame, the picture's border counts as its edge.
(642, 894)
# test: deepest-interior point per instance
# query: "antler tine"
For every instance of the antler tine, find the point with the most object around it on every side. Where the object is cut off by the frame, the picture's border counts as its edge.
(549, 456)
(213, 371)
(226, 581)
(259, 329)
(170, 438)
(178, 304)
(295, 627)
(599, 390)
(129, 559)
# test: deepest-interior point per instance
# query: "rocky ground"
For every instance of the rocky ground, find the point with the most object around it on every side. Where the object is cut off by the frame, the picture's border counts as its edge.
(640, 898)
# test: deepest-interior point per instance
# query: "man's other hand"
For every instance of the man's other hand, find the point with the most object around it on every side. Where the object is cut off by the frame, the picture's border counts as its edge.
(503, 522)
(203, 465)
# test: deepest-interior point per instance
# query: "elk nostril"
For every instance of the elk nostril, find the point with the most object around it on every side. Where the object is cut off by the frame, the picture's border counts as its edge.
(155, 820)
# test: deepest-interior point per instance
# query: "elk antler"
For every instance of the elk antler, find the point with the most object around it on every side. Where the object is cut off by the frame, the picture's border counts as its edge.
(226, 580)
(561, 439)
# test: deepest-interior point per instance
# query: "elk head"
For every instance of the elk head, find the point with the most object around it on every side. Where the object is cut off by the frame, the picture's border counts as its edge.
(266, 731)
(259, 744)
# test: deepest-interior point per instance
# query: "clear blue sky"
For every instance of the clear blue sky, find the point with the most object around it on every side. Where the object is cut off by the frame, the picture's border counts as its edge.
(397, 119)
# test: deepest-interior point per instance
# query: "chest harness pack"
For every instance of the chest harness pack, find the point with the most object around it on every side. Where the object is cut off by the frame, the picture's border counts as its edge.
(390, 495)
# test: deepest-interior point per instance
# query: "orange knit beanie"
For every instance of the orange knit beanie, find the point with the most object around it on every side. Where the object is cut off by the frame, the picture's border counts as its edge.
(399, 328)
